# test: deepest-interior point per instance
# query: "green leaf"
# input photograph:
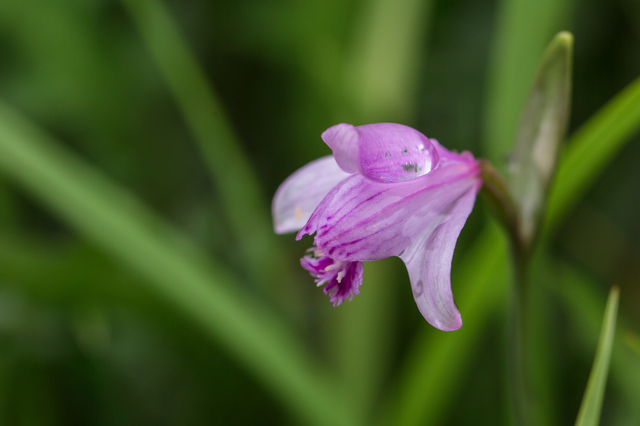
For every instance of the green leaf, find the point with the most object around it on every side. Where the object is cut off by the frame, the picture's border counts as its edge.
(542, 128)
(589, 414)
(590, 150)
(173, 267)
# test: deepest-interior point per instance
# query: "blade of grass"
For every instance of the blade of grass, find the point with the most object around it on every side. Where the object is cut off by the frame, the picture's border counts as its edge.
(61, 273)
(590, 150)
(589, 414)
(174, 269)
(524, 29)
(584, 301)
(232, 173)
(588, 155)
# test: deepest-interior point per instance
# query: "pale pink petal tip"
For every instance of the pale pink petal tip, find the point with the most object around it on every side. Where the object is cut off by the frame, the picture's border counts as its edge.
(300, 193)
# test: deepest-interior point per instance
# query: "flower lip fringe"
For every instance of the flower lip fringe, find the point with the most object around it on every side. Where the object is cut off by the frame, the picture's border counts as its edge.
(342, 279)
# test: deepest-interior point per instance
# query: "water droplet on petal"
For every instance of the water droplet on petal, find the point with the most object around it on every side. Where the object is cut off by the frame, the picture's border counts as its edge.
(395, 153)
(418, 289)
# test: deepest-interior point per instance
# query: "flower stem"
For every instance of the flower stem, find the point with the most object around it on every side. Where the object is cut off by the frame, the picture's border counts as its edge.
(497, 194)
(518, 343)
(499, 197)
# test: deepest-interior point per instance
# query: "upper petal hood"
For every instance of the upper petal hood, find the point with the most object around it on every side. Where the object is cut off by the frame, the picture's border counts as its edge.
(301, 193)
(384, 152)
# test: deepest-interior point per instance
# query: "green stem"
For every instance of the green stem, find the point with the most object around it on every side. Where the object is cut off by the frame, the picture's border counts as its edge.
(517, 344)
(497, 194)
(499, 197)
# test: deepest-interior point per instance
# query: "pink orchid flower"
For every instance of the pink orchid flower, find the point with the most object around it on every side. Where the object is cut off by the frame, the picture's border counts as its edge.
(387, 190)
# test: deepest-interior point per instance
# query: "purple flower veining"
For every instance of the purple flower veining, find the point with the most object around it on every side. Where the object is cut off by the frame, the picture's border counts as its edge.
(387, 190)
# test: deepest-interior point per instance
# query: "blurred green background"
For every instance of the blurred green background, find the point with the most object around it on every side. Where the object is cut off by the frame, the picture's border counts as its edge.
(200, 109)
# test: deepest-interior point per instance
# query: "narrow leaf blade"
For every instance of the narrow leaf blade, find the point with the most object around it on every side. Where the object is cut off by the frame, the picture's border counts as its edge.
(581, 296)
(589, 414)
(590, 150)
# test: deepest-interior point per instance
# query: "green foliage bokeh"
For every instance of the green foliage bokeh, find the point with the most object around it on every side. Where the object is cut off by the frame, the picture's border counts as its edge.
(140, 282)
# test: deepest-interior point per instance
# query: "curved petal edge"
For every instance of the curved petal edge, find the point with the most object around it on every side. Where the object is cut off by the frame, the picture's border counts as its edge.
(299, 195)
(428, 262)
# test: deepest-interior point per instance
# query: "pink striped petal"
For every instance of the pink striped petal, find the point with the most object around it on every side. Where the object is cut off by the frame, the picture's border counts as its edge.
(428, 260)
(363, 220)
(301, 193)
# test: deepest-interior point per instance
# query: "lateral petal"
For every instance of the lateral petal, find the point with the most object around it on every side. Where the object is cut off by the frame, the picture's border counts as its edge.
(298, 196)
(428, 261)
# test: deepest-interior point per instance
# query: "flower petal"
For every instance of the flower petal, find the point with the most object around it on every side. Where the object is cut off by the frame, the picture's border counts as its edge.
(445, 156)
(384, 152)
(428, 260)
(301, 193)
(343, 140)
(361, 220)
